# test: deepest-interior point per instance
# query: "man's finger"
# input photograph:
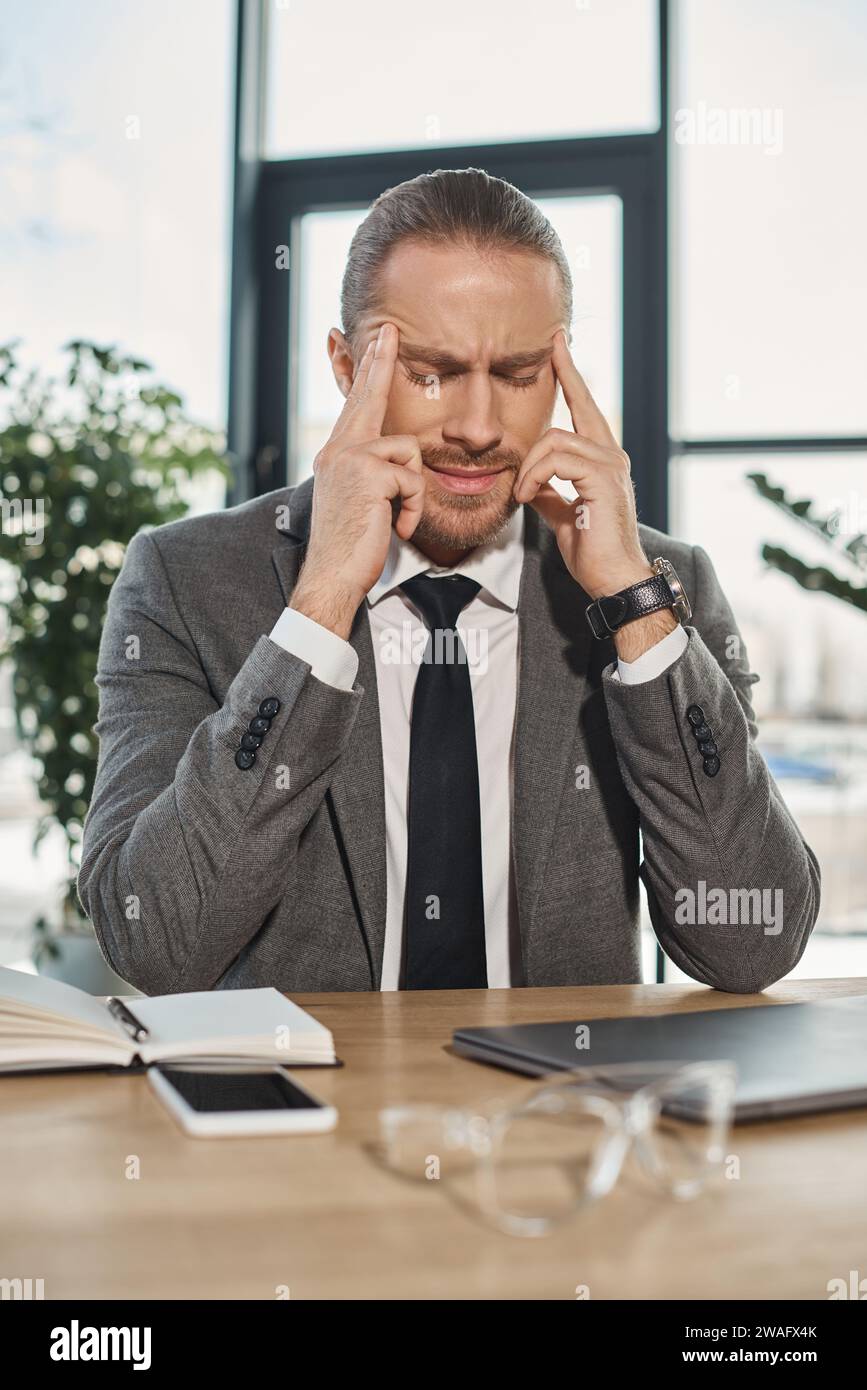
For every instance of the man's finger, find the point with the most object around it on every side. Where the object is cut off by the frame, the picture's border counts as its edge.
(569, 466)
(391, 448)
(553, 507)
(409, 486)
(587, 418)
(556, 441)
(364, 412)
(355, 391)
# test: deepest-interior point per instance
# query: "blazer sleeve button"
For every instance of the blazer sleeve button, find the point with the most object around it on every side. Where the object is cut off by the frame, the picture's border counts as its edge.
(259, 725)
(711, 766)
(707, 748)
(695, 715)
(269, 707)
(702, 732)
(250, 742)
(244, 759)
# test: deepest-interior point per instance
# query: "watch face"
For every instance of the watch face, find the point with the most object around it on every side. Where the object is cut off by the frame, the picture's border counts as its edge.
(681, 605)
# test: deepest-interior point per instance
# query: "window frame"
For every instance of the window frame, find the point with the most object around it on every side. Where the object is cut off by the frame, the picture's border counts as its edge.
(271, 194)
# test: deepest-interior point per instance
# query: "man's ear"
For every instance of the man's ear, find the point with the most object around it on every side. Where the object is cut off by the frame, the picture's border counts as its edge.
(342, 361)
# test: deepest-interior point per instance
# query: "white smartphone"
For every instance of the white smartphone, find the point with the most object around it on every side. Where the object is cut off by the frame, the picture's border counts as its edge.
(210, 1101)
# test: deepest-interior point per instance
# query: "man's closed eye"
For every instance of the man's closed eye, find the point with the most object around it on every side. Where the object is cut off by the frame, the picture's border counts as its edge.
(425, 379)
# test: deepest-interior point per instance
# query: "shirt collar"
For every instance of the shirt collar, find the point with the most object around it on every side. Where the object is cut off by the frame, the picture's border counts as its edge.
(496, 566)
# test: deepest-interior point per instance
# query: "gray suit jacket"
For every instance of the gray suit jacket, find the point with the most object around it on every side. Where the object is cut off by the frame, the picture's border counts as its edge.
(198, 875)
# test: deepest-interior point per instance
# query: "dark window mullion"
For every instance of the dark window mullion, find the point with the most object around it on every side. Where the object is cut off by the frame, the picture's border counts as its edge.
(813, 444)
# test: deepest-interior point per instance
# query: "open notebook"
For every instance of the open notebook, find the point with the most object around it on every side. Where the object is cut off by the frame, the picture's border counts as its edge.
(46, 1025)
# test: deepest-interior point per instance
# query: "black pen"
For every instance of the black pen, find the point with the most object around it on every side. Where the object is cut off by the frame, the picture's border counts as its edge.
(127, 1018)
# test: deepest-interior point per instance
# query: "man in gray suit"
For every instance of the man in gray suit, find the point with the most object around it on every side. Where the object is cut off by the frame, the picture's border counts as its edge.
(402, 725)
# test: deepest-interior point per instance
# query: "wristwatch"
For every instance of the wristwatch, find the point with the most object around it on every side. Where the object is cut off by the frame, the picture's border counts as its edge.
(608, 615)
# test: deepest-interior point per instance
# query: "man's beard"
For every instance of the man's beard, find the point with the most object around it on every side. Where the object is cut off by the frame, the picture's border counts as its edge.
(463, 521)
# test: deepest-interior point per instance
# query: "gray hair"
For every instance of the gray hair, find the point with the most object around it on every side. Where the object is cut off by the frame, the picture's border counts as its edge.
(467, 206)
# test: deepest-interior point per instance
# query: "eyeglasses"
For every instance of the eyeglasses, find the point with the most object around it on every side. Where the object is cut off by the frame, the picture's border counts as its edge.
(528, 1167)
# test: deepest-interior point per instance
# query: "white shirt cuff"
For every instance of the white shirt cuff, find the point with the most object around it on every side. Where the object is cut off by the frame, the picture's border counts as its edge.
(331, 660)
(654, 661)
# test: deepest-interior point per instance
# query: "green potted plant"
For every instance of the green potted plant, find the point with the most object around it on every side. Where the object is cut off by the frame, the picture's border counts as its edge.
(85, 463)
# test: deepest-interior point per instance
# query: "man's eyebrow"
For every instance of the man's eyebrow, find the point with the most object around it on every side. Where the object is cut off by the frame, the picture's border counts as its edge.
(446, 361)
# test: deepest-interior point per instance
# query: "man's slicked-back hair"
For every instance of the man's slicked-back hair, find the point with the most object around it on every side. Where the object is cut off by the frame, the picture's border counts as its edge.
(460, 206)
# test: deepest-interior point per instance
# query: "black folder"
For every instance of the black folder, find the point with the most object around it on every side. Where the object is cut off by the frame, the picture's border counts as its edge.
(791, 1059)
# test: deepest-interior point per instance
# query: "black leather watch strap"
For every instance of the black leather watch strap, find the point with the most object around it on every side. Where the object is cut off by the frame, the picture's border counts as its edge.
(607, 615)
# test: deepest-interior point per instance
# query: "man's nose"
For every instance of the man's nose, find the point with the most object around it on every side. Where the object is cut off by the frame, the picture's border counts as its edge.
(473, 423)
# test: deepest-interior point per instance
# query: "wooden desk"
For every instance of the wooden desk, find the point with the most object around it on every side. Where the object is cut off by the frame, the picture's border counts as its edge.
(233, 1218)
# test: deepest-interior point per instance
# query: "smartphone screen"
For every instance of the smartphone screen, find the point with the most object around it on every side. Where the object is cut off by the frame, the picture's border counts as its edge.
(208, 1091)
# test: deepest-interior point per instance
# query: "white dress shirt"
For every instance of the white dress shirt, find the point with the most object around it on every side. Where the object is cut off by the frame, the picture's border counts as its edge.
(489, 628)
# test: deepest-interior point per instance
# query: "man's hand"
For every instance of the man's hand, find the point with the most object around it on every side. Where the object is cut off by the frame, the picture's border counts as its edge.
(357, 474)
(598, 533)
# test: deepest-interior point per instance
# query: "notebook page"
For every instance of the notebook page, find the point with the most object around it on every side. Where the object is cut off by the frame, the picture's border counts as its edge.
(223, 1021)
(38, 995)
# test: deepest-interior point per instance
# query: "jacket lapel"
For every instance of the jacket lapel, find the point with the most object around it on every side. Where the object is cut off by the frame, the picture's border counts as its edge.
(554, 652)
(357, 791)
(358, 797)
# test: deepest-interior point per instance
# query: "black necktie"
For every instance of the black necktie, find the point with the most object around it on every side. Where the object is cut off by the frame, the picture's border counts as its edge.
(444, 924)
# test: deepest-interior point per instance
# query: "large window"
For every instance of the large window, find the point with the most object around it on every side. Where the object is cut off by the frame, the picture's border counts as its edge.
(343, 80)
(115, 172)
(701, 160)
(114, 184)
(769, 292)
(769, 110)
